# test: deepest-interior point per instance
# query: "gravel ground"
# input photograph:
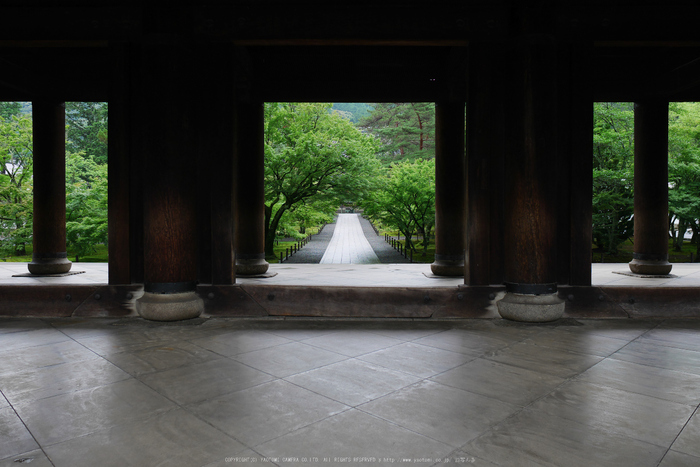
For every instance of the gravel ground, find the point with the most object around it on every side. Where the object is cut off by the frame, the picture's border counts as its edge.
(314, 250)
(383, 250)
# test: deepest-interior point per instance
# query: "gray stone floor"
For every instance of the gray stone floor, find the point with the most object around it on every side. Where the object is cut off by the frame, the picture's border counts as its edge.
(299, 392)
(389, 275)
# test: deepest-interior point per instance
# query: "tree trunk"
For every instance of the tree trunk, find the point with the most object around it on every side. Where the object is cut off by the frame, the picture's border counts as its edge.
(671, 228)
(678, 242)
(426, 240)
(408, 243)
(271, 224)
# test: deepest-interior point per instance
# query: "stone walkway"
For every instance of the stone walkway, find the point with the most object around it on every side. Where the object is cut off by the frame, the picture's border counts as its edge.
(349, 244)
(350, 240)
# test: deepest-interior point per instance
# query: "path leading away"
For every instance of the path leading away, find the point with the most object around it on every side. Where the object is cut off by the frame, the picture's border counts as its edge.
(349, 244)
(318, 244)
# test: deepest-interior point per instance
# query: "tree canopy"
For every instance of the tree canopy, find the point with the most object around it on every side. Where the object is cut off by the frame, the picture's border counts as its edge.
(684, 169)
(406, 130)
(613, 174)
(87, 129)
(406, 199)
(86, 177)
(86, 204)
(15, 184)
(10, 109)
(353, 111)
(312, 155)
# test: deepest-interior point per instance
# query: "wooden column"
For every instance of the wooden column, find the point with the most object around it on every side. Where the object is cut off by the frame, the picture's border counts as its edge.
(485, 152)
(530, 223)
(215, 151)
(49, 228)
(170, 217)
(575, 164)
(650, 188)
(120, 181)
(450, 189)
(249, 192)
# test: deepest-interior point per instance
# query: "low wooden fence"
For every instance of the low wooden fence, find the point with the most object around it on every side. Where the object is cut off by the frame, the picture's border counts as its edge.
(398, 246)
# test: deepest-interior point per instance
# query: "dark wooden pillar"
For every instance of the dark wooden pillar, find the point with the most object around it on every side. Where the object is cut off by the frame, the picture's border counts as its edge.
(650, 188)
(450, 189)
(530, 223)
(120, 180)
(215, 151)
(249, 193)
(575, 164)
(49, 234)
(170, 217)
(485, 152)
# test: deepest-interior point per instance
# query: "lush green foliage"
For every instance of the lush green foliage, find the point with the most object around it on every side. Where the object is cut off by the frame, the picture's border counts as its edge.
(613, 175)
(15, 185)
(406, 200)
(353, 111)
(684, 170)
(87, 129)
(313, 158)
(10, 109)
(86, 204)
(86, 179)
(406, 130)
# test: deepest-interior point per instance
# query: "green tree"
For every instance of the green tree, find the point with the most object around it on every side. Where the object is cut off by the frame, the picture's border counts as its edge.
(407, 200)
(406, 130)
(353, 111)
(613, 174)
(316, 212)
(312, 155)
(15, 185)
(10, 109)
(86, 204)
(87, 131)
(684, 170)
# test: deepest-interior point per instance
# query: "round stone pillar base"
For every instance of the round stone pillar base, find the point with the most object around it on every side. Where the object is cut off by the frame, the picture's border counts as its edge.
(448, 265)
(42, 265)
(531, 308)
(650, 267)
(251, 266)
(169, 307)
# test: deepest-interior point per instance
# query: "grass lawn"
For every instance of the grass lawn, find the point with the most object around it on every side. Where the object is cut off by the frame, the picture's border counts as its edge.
(280, 248)
(418, 244)
(99, 256)
(281, 245)
(624, 254)
(625, 251)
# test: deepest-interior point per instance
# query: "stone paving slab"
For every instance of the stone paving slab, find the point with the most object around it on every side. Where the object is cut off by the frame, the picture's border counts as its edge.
(446, 392)
(349, 244)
